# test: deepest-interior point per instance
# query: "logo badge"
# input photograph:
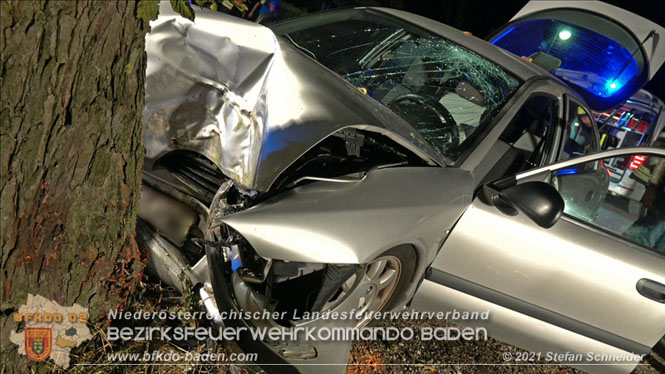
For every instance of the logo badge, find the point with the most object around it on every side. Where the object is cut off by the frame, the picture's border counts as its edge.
(38, 343)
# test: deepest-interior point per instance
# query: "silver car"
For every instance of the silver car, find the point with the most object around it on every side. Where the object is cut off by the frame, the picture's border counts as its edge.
(369, 159)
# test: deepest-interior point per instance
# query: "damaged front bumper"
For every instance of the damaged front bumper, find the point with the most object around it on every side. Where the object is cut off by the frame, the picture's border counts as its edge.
(231, 280)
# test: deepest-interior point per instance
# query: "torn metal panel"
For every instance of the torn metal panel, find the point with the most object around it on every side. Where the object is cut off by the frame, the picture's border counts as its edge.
(252, 104)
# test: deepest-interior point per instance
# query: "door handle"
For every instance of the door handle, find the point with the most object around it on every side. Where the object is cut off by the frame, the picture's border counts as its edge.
(651, 290)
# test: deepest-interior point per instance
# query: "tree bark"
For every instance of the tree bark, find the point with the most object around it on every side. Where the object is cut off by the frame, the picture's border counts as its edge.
(72, 151)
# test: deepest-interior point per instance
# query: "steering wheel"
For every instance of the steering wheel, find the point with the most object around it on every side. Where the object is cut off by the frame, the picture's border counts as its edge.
(441, 112)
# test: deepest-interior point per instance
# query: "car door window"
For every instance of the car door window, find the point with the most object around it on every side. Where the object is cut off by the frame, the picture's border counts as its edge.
(530, 129)
(529, 135)
(631, 207)
(580, 136)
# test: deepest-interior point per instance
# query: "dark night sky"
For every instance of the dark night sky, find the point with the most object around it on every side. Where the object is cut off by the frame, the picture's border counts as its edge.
(482, 17)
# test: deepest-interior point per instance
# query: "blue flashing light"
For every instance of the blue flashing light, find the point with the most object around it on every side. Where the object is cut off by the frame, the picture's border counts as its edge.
(567, 172)
(612, 86)
(502, 35)
(583, 52)
(236, 263)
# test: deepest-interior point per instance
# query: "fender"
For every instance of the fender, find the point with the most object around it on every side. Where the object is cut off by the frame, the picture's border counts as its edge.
(328, 222)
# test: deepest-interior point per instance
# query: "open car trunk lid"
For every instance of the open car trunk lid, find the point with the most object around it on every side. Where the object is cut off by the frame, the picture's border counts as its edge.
(606, 53)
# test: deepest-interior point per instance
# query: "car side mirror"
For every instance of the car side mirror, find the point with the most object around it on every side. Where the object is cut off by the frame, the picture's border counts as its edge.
(539, 201)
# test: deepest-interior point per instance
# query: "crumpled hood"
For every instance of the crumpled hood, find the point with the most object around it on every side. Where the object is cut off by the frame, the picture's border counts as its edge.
(230, 90)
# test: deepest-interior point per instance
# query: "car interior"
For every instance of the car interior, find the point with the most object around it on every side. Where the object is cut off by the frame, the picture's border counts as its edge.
(525, 137)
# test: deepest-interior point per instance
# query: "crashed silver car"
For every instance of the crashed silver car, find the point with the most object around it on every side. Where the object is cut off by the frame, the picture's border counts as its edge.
(369, 159)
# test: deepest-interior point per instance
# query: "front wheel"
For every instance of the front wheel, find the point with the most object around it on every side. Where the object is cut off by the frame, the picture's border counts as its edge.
(300, 295)
(380, 283)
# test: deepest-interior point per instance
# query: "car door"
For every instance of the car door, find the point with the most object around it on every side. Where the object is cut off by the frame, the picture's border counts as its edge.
(588, 285)
(604, 52)
(583, 184)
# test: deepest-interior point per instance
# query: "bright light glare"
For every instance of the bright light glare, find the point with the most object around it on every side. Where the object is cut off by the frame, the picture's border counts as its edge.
(564, 35)
(611, 87)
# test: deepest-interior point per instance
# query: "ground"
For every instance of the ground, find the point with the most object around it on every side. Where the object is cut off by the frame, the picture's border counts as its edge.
(487, 352)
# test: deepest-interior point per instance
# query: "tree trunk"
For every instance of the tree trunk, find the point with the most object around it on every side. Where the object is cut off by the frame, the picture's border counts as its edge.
(72, 152)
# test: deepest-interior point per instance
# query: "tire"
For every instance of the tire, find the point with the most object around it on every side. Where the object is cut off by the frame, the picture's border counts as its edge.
(408, 259)
(382, 296)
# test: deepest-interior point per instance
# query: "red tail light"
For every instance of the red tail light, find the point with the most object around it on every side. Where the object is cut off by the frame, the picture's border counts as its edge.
(602, 166)
(636, 162)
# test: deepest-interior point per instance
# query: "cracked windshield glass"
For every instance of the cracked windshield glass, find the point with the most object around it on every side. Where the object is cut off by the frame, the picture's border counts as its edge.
(442, 89)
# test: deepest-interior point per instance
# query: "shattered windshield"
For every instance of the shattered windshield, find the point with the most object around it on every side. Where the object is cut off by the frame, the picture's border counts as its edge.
(442, 89)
